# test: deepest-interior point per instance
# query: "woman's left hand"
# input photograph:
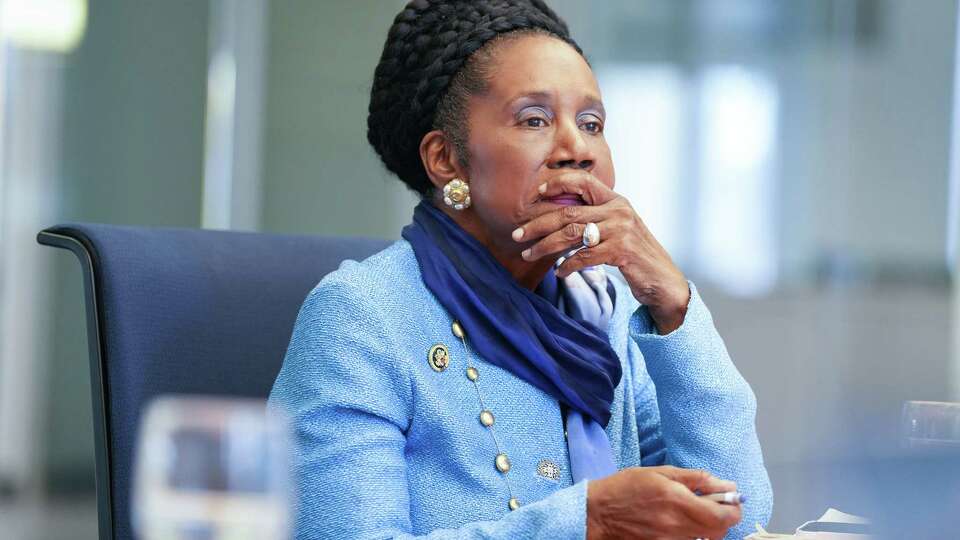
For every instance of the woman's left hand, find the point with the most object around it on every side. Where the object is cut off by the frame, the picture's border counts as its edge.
(625, 242)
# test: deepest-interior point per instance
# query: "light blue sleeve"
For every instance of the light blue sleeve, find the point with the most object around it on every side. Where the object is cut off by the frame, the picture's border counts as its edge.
(695, 410)
(348, 395)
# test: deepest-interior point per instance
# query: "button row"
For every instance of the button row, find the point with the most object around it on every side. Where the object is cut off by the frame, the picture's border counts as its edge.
(502, 462)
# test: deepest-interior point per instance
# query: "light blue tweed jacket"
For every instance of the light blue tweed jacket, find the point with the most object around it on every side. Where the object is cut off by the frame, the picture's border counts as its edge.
(387, 447)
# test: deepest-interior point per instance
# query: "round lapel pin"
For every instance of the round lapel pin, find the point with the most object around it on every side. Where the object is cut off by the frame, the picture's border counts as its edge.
(439, 357)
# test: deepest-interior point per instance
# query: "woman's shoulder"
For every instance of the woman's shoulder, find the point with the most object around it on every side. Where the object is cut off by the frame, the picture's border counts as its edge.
(361, 306)
(387, 275)
(348, 338)
(384, 292)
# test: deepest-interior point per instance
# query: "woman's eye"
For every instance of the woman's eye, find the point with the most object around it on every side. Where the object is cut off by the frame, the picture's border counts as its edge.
(535, 122)
(592, 127)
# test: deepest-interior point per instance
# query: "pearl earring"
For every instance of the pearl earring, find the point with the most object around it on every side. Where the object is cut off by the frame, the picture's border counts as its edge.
(456, 194)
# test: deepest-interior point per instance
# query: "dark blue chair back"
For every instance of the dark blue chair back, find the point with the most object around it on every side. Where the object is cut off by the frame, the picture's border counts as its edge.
(184, 311)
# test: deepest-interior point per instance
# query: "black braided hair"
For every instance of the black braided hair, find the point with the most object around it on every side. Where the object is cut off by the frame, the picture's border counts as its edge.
(429, 67)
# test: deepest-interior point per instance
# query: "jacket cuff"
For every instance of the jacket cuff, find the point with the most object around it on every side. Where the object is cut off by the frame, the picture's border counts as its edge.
(677, 356)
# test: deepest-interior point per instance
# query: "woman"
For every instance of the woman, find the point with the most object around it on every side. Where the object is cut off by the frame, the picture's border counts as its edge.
(471, 382)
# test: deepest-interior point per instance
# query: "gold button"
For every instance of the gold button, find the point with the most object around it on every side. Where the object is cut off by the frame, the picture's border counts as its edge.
(486, 418)
(513, 503)
(502, 462)
(457, 329)
(472, 373)
(438, 357)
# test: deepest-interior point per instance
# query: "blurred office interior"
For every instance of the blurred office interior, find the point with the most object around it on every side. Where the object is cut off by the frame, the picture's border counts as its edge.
(797, 158)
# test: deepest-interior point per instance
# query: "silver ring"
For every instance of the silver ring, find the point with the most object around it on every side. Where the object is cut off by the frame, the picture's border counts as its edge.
(591, 235)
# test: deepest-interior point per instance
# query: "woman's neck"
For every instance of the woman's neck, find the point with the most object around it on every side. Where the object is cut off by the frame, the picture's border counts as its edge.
(527, 274)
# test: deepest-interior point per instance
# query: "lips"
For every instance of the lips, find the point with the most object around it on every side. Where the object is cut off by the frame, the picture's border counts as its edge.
(565, 199)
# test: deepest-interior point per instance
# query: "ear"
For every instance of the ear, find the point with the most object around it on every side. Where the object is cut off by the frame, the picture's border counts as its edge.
(440, 159)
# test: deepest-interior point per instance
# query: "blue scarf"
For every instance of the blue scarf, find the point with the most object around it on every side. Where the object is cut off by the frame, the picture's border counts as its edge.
(554, 339)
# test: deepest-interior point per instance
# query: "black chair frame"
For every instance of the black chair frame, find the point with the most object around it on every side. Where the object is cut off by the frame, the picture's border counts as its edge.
(76, 242)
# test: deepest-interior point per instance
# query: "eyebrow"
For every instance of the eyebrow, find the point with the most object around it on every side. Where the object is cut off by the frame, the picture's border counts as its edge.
(543, 95)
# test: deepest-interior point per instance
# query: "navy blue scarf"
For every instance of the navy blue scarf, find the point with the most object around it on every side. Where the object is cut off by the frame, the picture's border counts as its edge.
(508, 325)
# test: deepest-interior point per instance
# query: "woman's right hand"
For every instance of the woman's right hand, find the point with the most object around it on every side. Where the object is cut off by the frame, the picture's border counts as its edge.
(658, 503)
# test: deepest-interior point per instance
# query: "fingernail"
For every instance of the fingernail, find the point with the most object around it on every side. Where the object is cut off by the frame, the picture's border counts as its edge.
(543, 187)
(525, 253)
(518, 234)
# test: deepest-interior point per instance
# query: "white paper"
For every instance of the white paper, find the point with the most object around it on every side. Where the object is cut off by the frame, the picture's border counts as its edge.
(832, 515)
(835, 516)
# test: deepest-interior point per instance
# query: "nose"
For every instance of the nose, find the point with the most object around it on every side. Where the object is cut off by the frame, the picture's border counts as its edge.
(571, 149)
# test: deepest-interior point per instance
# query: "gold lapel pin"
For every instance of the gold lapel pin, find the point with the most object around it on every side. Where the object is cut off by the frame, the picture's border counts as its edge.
(439, 357)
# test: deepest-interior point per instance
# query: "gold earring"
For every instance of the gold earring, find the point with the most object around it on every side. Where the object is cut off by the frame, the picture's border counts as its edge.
(456, 194)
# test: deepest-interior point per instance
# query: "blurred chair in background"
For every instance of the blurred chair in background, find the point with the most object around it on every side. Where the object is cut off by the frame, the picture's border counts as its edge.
(182, 311)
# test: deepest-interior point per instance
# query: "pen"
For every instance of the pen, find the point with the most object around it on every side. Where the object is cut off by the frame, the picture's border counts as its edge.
(727, 497)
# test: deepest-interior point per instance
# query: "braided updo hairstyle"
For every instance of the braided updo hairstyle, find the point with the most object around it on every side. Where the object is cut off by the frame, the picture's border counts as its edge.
(437, 54)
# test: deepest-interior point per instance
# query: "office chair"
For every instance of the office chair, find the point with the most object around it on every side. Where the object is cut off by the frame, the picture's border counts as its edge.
(184, 311)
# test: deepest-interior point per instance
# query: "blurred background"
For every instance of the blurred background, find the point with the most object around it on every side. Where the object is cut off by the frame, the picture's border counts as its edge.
(799, 159)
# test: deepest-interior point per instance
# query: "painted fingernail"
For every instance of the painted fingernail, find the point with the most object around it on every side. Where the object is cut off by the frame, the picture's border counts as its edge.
(525, 253)
(517, 234)
(543, 187)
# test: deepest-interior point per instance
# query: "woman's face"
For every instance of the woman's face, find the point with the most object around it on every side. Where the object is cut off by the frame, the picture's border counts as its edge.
(541, 118)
